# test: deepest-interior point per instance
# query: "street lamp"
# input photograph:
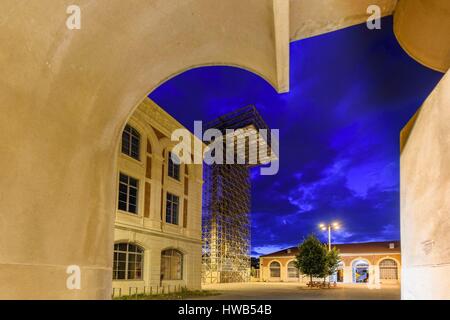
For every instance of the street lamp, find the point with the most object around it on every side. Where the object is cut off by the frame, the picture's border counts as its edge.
(334, 226)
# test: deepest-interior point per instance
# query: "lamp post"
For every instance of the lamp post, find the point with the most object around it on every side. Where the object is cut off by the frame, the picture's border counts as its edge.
(324, 227)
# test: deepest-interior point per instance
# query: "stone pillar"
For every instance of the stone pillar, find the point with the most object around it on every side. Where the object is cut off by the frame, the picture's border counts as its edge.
(57, 206)
(425, 198)
(348, 274)
(376, 269)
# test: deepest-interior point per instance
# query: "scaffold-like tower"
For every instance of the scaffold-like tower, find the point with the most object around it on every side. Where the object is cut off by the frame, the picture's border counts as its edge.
(227, 198)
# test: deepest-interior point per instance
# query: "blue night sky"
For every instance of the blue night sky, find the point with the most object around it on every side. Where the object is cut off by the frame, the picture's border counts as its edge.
(351, 93)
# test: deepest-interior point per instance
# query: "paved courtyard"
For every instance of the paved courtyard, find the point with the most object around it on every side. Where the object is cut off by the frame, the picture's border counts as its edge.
(298, 291)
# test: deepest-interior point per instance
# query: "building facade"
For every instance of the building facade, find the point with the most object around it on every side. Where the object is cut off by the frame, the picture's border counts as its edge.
(369, 263)
(157, 234)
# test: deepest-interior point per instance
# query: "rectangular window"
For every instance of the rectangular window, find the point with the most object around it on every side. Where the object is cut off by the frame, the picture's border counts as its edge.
(174, 168)
(128, 193)
(131, 141)
(172, 208)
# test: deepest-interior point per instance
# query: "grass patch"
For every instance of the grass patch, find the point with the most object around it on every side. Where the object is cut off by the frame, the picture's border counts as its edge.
(182, 295)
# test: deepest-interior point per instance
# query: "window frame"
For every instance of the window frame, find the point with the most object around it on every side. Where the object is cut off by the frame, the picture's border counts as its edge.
(128, 194)
(290, 266)
(170, 217)
(168, 255)
(133, 138)
(388, 269)
(272, 269)
(137, 251)
(173, 169)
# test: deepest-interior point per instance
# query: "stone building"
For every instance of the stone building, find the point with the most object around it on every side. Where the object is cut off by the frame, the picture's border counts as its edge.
(157, 233)
(370, 263)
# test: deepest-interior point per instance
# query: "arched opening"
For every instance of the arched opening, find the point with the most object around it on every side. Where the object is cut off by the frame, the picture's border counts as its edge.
(388, 270)
(360, 270)
(128, 262)
(275, 269)
(173, 166)
(163, 194)
(292, 269)
(171, 265)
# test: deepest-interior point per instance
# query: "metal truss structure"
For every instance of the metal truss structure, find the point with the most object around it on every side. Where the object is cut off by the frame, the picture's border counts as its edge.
(227, 201)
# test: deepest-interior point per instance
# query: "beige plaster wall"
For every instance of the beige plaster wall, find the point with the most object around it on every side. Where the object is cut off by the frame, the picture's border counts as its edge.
(423, 30)
(425, 199)
(311, 18)
(66, 95)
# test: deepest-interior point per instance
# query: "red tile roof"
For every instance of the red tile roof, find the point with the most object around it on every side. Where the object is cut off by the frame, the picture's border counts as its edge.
(366, 247)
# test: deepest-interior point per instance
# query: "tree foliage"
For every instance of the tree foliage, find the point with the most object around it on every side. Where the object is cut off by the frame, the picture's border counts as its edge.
(315, 260)
(332, 260)
(311, 258)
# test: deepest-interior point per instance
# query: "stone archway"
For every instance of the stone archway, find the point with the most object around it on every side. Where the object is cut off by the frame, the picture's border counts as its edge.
(360, 270)
(69, 95)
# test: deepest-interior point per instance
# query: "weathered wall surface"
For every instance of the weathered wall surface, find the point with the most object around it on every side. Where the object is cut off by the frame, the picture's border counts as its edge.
(66, 95)
(311, 18)
(423, 30)
(425, 199)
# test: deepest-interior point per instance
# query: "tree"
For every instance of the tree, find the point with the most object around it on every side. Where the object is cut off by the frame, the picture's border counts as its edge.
(332, 260)
(312, 257)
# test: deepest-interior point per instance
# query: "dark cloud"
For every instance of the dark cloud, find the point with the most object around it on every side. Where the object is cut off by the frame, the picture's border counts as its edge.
(351, 93)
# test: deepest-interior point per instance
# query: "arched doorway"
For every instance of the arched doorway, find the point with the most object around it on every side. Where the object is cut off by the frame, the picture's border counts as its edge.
(275, 269)
(292, 271)
(388, 270)
(128, 261)
(360, 270)
(85, 90)
(171, 265)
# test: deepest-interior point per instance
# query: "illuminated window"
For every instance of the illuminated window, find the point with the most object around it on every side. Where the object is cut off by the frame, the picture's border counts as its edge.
(360, 271)
(171, 265)
(131, 140)
(172, 208)
(174, 167)
(128, 262)
(128, 194)
(292, 270)
(275, 269)
(388, 270)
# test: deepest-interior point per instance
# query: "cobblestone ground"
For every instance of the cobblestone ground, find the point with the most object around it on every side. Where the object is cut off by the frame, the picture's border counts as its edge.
(296, 291)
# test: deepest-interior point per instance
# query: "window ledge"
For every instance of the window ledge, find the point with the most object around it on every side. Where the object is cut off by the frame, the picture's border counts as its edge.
(129, 158)
(136, 215)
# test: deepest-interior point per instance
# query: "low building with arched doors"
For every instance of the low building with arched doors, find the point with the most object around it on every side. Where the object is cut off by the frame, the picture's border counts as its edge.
(157, 234)
(365, 263)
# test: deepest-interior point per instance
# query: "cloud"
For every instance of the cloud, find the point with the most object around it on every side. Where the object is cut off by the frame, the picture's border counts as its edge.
(258, 251)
